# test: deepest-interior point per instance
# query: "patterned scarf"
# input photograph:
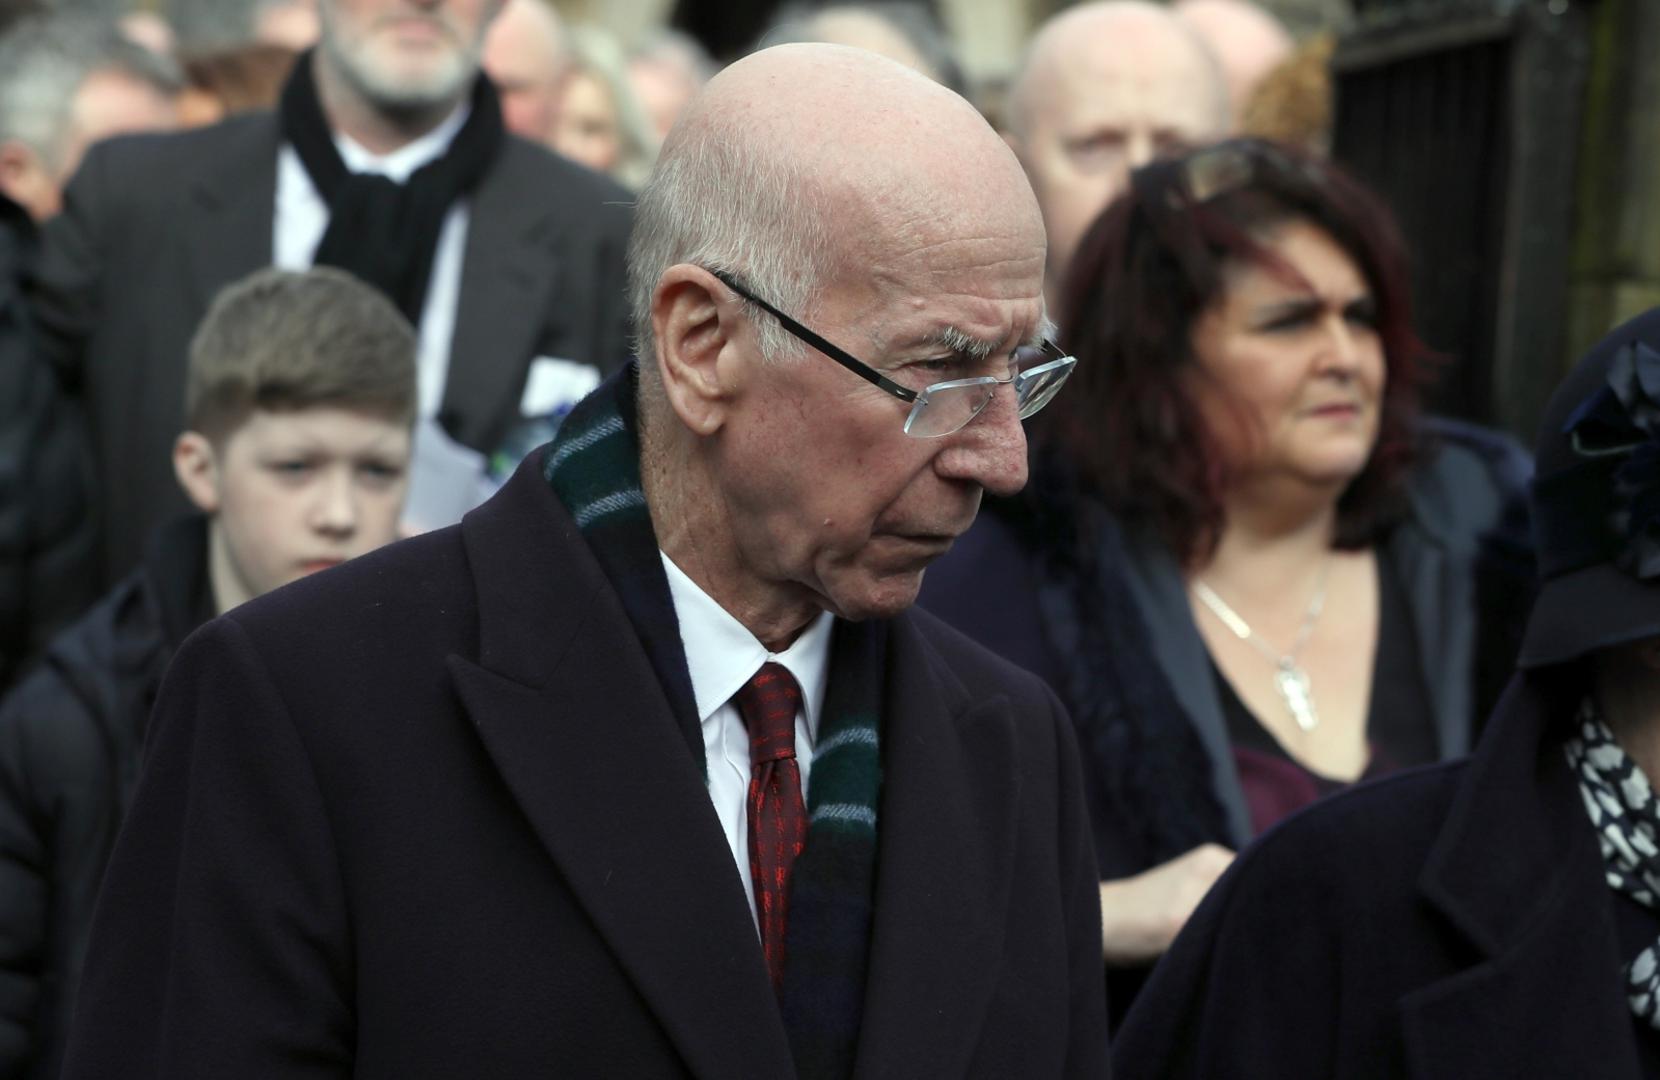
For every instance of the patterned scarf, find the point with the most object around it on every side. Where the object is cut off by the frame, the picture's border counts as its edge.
(593, 466)
(1625, 814)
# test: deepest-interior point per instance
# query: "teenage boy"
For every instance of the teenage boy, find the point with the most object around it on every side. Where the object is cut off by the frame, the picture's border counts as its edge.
(299, 404)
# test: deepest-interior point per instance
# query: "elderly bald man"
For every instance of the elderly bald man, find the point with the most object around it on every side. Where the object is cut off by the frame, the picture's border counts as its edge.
(525, 56)
(645, 769)
(1104, 88)
(1247, 40)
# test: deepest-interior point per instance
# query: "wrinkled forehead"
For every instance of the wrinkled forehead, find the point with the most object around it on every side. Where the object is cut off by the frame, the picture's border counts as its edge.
(945, 274)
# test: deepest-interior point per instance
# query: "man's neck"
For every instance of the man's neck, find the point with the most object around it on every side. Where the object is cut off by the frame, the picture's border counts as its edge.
(373, 127)
(681, 516)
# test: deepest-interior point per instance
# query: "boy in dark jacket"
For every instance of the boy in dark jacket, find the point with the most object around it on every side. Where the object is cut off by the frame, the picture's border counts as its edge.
(299, 401)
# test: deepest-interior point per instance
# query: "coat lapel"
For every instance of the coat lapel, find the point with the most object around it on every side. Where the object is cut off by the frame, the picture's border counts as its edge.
(512, 258)
(573, 718)
(235, 199)
(945, 838)
(1516, 871)
(1441, 596)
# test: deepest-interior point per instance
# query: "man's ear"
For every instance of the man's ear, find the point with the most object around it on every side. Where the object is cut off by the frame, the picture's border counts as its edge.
(196, 464)
(693, 320)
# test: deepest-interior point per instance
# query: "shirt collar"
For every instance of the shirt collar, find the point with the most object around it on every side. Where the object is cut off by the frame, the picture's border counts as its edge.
(721, 654)
(402, 162)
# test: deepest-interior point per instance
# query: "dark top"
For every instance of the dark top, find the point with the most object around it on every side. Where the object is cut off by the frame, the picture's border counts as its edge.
(71, 737)
(1400, 725)
(1450, 922)
(429, 814)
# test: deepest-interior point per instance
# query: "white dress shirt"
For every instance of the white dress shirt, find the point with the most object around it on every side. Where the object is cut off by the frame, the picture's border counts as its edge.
(302, 216)
(721, 655)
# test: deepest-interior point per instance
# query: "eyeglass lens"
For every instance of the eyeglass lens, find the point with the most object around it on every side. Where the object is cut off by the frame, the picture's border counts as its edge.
(948, 407)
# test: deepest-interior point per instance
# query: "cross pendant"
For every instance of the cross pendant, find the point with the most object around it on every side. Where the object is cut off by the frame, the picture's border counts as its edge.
(1292, 683)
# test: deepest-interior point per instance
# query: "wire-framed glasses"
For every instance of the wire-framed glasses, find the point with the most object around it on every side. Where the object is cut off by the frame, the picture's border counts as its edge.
(1035, 371)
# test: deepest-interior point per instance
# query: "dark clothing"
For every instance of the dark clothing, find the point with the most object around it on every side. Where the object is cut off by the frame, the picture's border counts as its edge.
(430, 815)
(47, 533)
(1108, 621)
(1451, 921)
(154, 225)
(1101, 610)
(70, 740)
(1399, 731)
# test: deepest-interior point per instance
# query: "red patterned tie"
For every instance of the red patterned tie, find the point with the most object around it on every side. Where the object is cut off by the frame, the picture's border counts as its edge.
(777, 815)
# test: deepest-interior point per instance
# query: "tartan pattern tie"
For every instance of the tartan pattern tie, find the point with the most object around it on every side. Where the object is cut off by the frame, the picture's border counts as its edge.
(777, 814)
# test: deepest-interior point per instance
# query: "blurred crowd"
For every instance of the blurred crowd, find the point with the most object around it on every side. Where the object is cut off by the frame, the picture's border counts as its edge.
(267, 307)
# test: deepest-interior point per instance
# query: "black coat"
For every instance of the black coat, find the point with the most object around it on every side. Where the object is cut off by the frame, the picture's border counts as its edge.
(71, 736)
(154, 225)
(1448, 923)
(48, 535)
(429, 815)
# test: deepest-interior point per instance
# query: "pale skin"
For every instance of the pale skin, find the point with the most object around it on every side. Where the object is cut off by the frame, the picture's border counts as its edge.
(1300, 352)
(788, 488)
(411, 43)
(1106, 88)
(290, 493)
(1627, 687)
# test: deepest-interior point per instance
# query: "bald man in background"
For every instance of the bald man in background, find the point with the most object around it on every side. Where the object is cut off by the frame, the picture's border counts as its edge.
(646, 770)
(1247, 40)
(524, 55)
(1104, 88)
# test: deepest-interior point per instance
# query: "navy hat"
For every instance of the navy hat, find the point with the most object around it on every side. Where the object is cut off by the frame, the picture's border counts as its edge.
(1596, 502)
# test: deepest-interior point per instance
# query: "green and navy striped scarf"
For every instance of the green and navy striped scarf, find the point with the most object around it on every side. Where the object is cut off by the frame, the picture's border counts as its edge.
(593, 466)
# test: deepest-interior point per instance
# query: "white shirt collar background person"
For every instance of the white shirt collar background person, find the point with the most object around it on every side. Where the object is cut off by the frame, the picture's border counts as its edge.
(721, 656)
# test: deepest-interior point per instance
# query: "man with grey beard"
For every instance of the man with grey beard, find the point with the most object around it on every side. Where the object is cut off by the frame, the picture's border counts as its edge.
(387, 157)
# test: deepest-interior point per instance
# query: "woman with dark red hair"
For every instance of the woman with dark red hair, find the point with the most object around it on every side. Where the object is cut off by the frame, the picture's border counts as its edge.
(1245, 562)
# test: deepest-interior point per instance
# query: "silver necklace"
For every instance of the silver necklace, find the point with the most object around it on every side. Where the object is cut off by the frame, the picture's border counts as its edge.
(1289, 677)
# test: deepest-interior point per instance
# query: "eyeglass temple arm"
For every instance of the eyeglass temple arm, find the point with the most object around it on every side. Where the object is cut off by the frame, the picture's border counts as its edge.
(840, 356)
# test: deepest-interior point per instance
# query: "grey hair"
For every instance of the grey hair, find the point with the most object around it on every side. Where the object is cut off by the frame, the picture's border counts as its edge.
(719, 200)
(43, 62)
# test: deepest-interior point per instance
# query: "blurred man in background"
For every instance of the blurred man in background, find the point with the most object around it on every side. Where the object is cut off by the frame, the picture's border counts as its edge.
(1104, 88)
(667, 70)
(524, 53)
(67, 81)
(1247, 41)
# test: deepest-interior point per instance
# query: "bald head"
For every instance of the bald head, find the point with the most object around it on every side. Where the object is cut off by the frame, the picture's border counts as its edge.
(801, 165)
(1105, 87)
(524, 54)
(860, 199)
(1248, 42)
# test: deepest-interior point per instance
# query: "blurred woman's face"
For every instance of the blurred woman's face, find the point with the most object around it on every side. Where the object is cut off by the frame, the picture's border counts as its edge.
(587, 128)
(1290, 366)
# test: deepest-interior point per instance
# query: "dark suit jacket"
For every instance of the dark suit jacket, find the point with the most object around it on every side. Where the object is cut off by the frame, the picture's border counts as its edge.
(154, 225)
(1449, 922)
(429, 815)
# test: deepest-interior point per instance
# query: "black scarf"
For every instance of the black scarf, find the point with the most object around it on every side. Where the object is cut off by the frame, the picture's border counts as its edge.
(382, 231)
